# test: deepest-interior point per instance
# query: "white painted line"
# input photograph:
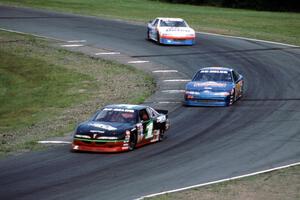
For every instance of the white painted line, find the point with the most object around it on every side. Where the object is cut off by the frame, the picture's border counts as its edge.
(54, 142)
(219, 181)
(72, 45)
(177, 80)
(165, 71)
(107, 53)
(250, 39)
(76, 41)
(173, 91)
(138, 61)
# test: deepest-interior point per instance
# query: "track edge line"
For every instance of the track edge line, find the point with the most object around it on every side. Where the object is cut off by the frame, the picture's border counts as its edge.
(219, 181)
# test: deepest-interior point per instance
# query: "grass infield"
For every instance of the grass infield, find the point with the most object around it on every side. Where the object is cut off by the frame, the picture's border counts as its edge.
(46, 90)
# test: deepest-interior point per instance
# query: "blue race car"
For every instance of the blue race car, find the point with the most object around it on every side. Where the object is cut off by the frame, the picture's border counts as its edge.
(214, 86)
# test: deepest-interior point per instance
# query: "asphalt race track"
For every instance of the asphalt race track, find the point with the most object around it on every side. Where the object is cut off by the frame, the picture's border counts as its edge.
(204, 144)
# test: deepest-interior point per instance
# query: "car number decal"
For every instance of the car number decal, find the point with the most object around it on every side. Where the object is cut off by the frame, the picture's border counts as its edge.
(149, 130)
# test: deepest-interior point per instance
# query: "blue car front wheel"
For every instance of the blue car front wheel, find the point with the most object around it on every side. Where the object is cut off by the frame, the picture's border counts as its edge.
(231, 99)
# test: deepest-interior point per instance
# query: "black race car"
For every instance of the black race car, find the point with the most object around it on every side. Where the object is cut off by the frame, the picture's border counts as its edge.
(121, 127)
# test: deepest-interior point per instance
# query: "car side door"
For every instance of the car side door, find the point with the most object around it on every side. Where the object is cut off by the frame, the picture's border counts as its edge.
(147, 123)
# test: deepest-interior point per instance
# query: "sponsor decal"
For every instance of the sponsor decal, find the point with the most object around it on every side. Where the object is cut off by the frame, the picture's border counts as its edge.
(127, 137)
(178, 30)
(104, 126)
(107, 138)
(209, 84)
(140, 132)
(96, 131)
(76, 147)
(156, 136)
(119, 110)
(140, 129)
(214, 71)
(82, 136)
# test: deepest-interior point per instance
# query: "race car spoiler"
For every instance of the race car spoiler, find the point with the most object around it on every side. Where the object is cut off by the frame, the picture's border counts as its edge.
(165, 112)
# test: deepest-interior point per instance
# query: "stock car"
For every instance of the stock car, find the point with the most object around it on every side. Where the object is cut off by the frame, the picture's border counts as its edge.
(172, 31)
(214, 86)
(121, 127)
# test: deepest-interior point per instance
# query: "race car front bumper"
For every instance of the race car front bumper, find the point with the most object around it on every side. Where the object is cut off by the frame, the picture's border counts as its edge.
(177, 40)
(99, 146)
(206, 100)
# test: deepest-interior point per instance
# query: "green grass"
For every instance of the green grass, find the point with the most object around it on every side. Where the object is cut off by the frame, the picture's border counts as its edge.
(275, 26)
(30, 88)
(46, 90)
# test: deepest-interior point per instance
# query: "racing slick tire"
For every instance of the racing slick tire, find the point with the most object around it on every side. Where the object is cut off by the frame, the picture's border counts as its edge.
(132, 142)
(232, 99)
(242, 93)
(158, 38)
(161, 136)
(148, 35)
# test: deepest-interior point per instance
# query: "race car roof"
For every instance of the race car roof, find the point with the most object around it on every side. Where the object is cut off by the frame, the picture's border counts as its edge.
(216, 68)
(170, 19)
(126, 106)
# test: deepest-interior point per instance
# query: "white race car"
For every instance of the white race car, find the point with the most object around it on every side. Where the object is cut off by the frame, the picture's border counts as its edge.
(171, 31)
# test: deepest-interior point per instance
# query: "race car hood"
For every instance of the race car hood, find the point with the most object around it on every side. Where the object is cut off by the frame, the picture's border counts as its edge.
(210, 85)
(103, 128)
(176, 30)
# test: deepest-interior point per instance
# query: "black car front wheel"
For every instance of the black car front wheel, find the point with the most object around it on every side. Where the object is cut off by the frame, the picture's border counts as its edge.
(132, 142)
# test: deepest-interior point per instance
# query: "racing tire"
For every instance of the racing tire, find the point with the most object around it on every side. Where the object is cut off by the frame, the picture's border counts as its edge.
(232, 99)
(158, 38)
(132, 142)
(148, 35)
(161, 136)
(242, 93)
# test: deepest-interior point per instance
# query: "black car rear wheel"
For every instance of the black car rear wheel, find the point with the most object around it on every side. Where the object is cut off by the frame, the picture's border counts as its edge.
(132, 141)
(161, 135)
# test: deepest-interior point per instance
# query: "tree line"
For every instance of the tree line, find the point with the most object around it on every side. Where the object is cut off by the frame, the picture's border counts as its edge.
(268, 5)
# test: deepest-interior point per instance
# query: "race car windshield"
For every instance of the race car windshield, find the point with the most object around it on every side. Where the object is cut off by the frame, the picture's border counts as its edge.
(172, 24)
(216, 77)
(107, 115)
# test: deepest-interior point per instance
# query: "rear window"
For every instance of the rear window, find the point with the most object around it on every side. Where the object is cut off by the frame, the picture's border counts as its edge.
(164, 23)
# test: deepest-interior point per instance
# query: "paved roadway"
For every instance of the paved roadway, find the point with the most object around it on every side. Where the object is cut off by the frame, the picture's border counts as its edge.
(204, 144)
